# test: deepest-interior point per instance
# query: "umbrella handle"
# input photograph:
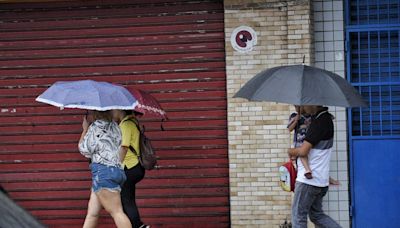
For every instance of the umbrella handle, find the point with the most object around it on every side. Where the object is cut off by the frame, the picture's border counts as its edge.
(162, 127)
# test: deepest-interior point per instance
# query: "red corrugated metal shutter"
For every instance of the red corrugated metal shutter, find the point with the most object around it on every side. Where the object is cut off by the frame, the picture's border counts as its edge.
(172, 49)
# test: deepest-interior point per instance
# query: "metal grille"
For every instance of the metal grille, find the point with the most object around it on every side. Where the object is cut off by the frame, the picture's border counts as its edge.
(374, 67)
(375, 71)
(374, 12)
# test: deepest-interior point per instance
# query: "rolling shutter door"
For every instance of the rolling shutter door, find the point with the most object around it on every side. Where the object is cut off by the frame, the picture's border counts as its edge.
(172, 49)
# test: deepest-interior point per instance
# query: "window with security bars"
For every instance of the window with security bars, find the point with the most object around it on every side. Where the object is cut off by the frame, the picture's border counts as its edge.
(365, 12)
(375, 72)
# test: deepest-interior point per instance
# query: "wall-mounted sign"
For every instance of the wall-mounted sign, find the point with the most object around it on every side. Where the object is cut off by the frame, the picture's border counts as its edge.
(243, 39)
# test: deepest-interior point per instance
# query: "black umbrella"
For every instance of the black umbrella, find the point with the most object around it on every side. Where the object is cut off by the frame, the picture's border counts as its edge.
(301, 85)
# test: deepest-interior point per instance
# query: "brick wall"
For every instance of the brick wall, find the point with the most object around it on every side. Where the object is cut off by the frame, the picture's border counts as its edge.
(258, 138)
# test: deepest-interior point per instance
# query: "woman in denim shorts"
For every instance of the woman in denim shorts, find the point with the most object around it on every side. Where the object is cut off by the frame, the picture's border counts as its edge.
(101, 142)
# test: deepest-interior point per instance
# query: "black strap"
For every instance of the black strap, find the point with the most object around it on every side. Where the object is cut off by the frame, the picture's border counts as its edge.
(136, 122)
(133, 150)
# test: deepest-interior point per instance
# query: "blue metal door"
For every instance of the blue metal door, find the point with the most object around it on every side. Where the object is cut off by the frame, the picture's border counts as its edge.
(373, 66)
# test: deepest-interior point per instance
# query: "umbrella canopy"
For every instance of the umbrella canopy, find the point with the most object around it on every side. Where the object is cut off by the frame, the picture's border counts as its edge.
(88, 94)
(147, 104)
(301, 85)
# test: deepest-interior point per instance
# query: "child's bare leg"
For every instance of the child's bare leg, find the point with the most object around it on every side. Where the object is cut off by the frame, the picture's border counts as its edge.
(333, 181)
(308, 173)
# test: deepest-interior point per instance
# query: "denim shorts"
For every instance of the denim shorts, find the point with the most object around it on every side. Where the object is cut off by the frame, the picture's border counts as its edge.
(107, 177)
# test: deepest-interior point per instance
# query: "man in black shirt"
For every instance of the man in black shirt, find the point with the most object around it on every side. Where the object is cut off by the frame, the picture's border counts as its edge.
(309, 193)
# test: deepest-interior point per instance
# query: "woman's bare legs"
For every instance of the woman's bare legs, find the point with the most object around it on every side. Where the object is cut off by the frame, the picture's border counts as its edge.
(93, 212)
(111, 201)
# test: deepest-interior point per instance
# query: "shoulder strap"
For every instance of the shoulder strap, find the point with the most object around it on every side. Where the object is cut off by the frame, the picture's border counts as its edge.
(133, 150)
(138, 127)
(136, 122)
(320, 114)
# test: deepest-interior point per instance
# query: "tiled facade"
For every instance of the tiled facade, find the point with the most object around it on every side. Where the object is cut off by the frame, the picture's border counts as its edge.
(257, 132)
(330, 55)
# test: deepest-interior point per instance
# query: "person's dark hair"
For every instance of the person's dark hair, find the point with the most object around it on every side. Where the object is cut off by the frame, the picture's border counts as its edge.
(327, 109)
(102, 115)
(137, 113)
(132, 112)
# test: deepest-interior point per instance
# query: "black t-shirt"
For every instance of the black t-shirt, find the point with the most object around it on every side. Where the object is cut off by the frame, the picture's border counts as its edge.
(321, 128)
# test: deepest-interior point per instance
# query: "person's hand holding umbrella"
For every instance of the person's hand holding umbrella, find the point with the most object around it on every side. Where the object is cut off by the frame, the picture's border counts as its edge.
(85, 126)
(301, 85)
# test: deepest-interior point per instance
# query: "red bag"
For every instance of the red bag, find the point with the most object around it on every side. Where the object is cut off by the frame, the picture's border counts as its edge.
(288, 175)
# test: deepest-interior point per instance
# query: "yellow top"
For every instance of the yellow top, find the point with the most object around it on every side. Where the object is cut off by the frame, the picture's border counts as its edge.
(130, 137)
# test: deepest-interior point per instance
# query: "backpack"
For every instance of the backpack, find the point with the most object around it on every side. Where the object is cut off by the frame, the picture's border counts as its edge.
(288, 175)
(147, 157)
